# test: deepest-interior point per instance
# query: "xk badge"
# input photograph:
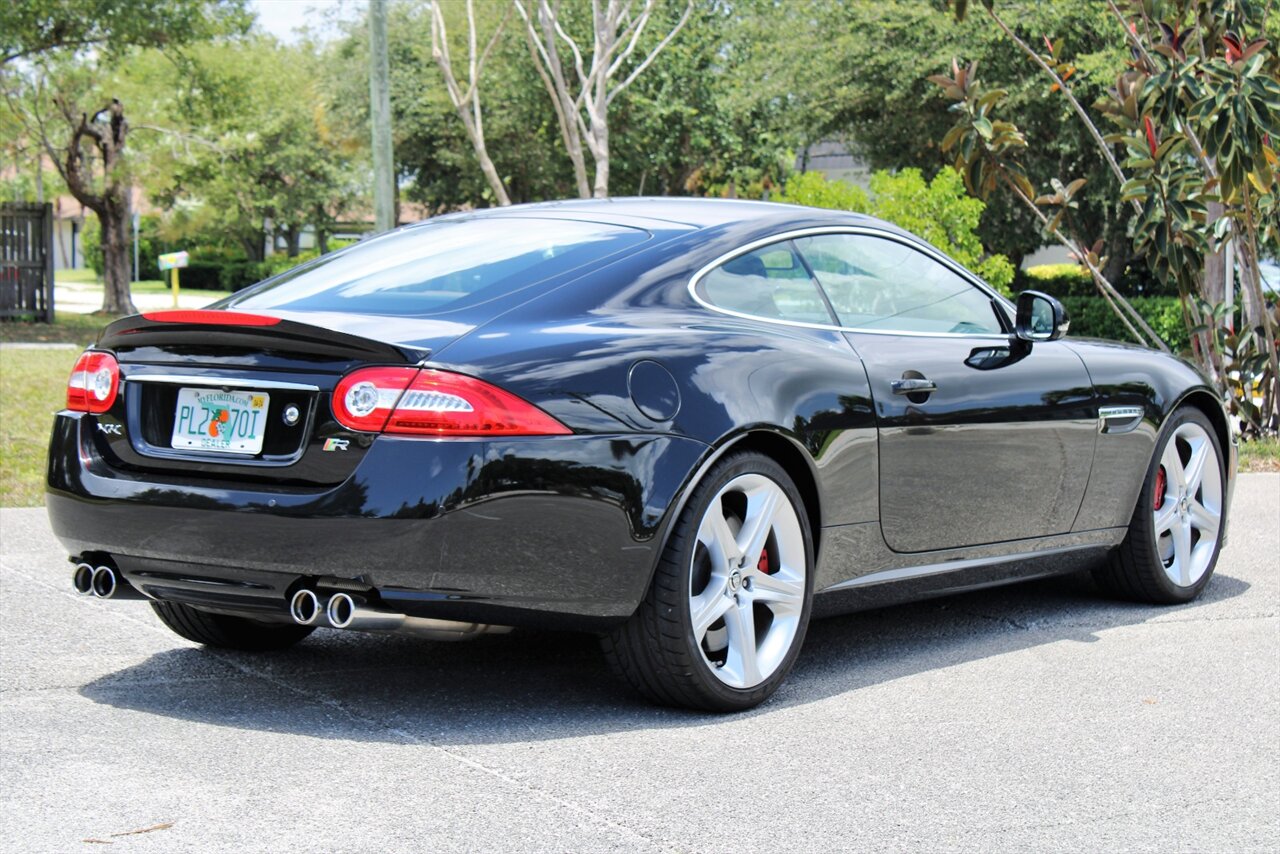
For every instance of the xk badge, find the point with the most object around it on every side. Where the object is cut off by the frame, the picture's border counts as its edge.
(110, 429)
(336, 444)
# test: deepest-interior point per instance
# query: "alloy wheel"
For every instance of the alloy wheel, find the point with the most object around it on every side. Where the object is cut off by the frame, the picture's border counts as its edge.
(1187, 504)
(747, 581)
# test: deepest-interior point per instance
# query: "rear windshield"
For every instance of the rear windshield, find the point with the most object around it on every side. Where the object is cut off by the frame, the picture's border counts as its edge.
(441, 267)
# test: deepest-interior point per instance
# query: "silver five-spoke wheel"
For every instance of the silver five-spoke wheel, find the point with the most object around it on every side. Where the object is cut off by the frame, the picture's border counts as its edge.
(726, 611)
(746, 587)
(1169, 553)
(1187, 501)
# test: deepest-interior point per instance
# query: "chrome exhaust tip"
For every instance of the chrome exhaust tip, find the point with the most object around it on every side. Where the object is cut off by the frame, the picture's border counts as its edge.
(82, 578)
(104, 582)
(305, 607)
(341, 610)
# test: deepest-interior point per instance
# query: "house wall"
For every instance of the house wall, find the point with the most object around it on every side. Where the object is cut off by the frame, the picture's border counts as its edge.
(68, 244)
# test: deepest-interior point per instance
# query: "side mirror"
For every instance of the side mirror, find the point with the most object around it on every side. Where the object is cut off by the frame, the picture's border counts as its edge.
(1040, 317)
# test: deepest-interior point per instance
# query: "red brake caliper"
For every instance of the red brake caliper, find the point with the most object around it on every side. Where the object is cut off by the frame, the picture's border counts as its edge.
(1161, 482)
(763, 563)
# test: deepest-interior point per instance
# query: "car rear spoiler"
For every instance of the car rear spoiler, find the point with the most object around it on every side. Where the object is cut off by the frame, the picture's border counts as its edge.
(215, 328)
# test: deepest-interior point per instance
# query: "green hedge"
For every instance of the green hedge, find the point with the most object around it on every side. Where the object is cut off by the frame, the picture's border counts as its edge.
(1072, 280)
(1092, 317)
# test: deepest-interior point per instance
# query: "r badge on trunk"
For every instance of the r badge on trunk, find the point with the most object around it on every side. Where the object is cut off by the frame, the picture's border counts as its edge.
(336, 444)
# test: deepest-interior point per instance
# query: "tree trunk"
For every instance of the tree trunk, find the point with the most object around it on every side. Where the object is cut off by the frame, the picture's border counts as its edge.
(1118, 258)
(1214, 285)
(602, 162)
(114, 218)
(292, 240)
(491, 173)
(252, 245)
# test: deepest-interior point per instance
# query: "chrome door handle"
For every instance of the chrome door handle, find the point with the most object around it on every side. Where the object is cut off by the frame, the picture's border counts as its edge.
(920, 386)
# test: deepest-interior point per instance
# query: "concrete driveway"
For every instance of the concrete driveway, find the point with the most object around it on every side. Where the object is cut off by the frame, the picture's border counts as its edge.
(1038, 716)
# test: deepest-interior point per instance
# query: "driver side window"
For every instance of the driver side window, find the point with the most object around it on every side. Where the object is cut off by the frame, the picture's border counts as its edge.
(880, 284)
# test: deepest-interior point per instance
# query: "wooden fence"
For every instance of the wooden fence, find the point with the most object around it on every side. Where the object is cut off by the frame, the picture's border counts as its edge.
(26, 261)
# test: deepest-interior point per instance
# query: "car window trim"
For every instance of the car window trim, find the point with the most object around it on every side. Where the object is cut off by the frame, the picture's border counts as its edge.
(1002, 305)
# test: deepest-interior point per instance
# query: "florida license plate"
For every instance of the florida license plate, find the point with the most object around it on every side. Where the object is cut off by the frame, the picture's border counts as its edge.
(231, 422)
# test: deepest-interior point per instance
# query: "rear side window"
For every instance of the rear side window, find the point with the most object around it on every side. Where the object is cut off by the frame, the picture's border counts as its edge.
(442, 266)
(881, 284)
(771, 283)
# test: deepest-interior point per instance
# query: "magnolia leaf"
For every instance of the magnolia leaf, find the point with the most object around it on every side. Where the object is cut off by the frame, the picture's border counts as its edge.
(983, 126)
(1172, 141)
(1023, 184)
(992, 97)
(953, 136)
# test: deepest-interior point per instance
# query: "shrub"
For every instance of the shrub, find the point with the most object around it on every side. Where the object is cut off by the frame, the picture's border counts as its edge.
(239, 274)
(814, 190)
(1063, 280)
(1092, 317)
(1059, 280)
(202, 275)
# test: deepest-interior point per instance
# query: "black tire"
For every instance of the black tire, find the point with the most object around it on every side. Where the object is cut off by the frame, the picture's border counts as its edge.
(1135, 570)
(228, 632)
(655, 650)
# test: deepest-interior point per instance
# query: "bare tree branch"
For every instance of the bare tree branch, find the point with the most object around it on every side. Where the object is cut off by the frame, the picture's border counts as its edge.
(583, 110)
(468, 104)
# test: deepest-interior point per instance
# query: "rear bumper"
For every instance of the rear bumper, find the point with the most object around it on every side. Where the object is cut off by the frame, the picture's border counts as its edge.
(542, 531)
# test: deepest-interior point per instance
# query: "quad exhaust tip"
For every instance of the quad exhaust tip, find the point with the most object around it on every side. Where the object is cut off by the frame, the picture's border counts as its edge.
(341, 610)
(82, 578)
(305, 607)
(104, 582)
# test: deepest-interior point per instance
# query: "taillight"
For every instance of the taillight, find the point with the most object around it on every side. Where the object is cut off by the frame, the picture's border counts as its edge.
(363, 399)
(409, 401)
(94, 382)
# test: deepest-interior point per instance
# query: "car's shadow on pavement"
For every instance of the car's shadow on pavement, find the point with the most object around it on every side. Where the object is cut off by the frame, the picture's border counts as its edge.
(531, 686)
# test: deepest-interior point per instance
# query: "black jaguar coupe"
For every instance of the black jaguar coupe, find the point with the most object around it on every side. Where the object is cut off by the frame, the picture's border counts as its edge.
(685, 425)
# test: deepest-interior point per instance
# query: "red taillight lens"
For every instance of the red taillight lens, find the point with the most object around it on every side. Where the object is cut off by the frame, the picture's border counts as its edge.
(363, 399)
(408, 401)
(95, 379)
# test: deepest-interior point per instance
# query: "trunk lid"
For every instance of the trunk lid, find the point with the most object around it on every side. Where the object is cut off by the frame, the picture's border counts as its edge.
(273, 375)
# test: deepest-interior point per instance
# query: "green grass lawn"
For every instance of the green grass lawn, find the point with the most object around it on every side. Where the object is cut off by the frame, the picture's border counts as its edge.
(33, 386)
(1260, 455)
(69, 328)
(86, 277)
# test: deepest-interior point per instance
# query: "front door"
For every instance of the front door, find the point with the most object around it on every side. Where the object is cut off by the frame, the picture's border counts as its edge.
(982, 438)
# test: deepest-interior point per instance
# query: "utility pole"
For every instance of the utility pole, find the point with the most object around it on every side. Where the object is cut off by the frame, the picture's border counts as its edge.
(384, 201)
